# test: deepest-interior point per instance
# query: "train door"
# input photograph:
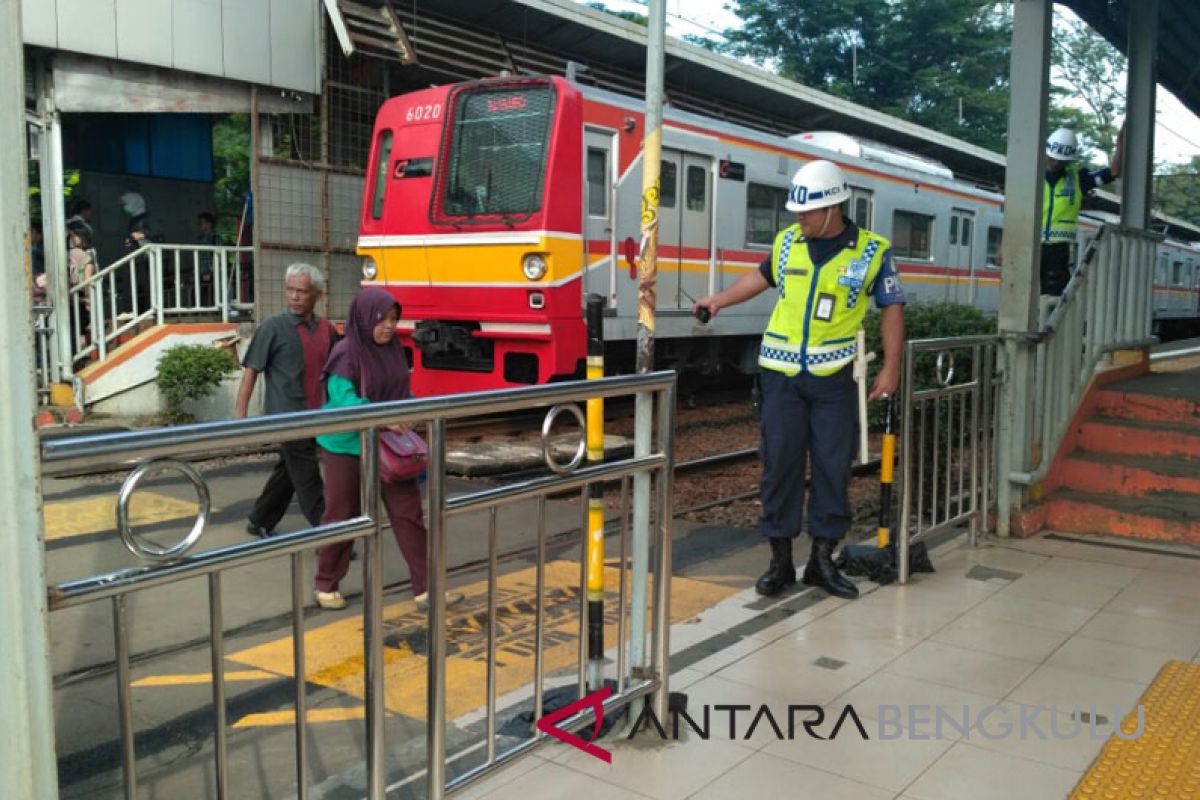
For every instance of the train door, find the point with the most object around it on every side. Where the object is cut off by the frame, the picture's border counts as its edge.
(684, 228)
(1160, 283)
(960, 262)
(599, 270)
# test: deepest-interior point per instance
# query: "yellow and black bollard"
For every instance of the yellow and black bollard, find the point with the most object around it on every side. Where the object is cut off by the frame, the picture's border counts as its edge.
(878, 561)
(887, 470)
(595, 455)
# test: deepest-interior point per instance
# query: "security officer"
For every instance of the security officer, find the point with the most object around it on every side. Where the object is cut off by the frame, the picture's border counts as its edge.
(1062, 199)
(824, 268)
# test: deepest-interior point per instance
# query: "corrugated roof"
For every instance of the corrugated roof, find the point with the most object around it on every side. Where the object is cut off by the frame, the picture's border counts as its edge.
(1178, 39)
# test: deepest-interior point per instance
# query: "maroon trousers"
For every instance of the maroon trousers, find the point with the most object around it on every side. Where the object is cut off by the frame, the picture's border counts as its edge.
(343, 501)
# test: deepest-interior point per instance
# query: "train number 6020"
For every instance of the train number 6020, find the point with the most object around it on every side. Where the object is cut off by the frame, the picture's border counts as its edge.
(417, 113)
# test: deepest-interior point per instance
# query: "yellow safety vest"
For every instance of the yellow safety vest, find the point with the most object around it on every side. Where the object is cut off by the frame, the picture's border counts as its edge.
(1061, 207)
(820, 309)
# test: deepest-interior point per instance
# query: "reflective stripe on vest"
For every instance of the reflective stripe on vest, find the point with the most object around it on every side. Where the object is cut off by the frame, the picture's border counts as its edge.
(1061, 207)
(820, 309)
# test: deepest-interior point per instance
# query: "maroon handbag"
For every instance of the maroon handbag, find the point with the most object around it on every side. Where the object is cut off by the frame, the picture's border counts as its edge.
(402, 456)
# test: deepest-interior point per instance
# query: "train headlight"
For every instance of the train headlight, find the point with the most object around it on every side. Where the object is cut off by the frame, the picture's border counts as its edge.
(369, 269)
(534, 266)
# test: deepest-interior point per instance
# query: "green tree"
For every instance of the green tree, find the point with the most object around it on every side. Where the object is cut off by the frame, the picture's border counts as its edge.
(632, 16)
(231, 165)
(1087, 70)
(1177, 190)
(939, 63)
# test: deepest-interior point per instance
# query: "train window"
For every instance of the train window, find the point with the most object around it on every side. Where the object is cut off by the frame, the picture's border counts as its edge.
(954, 229)
(495, 161)
(995, 236)
(1177, 273)
(666, 182)
(765, 213)
(966, 232)
(597, 182)
(861, 207)
(695, 188)
(911, 235)
(381, 175)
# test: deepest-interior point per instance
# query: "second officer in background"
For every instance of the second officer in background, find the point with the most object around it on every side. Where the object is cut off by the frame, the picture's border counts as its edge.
(824, 268)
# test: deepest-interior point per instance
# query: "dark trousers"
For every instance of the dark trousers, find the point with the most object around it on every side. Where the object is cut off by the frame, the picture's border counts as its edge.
(402, 501)
(296, 473)
(1056, 268)
(807, 418)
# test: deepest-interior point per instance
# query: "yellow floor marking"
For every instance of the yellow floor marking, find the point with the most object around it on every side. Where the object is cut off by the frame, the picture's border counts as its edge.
(276, 718)
(202, 678)
(1164, 761)
(67, 518)
(334, 651)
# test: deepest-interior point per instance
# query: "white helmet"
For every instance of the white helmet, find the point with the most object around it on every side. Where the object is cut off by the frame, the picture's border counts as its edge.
(1062, 145)
(816, 185)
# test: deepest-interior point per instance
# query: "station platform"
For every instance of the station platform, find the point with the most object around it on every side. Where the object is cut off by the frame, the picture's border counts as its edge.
(1000, 676)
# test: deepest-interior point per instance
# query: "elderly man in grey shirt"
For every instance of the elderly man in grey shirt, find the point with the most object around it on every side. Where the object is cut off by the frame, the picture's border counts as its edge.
(290, 350)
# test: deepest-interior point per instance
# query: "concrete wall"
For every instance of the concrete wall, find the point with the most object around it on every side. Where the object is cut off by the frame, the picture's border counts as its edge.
(125, 387)
(268, 42)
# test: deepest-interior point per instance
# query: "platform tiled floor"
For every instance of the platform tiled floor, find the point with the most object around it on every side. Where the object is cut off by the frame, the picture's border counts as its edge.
(1041, 622)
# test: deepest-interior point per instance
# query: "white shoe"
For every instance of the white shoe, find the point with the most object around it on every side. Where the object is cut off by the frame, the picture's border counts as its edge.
(452, 599)
(331, 600)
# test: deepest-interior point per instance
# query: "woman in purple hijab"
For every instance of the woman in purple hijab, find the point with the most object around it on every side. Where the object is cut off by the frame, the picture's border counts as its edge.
(367, 366)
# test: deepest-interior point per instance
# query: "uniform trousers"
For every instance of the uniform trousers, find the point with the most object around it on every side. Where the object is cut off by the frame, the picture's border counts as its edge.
(296, 473)
(1056, 268)
(807, 418)
(343, 500)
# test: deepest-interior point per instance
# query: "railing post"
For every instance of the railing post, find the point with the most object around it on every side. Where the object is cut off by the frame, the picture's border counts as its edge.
(435, 752)
(662, 578)
(373, 612)
(156, 283)
(906, 458)
(220, 283)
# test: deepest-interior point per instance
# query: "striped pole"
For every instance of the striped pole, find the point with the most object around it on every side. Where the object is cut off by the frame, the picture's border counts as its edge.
(886, 471)
(595, 455)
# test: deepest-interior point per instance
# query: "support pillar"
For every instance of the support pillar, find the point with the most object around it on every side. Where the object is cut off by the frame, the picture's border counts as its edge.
(1019, 284)
(54, 222)
(1138, 166)
(27, 759)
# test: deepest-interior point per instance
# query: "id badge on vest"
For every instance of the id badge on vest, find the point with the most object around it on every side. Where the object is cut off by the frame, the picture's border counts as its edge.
(824, 307)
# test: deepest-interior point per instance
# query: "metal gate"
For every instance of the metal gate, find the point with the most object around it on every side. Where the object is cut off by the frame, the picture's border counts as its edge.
(947, 431)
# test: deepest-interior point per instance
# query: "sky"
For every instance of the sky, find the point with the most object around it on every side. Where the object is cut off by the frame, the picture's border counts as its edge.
(1176, 137)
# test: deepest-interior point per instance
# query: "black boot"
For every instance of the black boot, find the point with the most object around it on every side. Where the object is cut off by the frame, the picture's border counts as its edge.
(782, 572)
(821, 571)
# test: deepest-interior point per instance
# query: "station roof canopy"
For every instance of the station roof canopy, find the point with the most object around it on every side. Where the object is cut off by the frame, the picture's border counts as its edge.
(546, 33)
(1178, 39)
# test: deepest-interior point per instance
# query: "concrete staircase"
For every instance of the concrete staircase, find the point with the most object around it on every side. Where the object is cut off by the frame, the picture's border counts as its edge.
(1135, 467)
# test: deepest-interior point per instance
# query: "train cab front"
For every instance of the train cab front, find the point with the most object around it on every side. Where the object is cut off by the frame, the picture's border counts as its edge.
(480, 241)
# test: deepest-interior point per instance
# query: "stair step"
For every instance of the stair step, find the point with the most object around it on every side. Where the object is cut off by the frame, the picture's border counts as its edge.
(1131, 475)
(1149, 407)
(1166, 516)
(1138, 437)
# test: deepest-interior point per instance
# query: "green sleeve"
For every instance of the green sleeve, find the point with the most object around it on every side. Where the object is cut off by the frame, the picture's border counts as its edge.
(341, 395)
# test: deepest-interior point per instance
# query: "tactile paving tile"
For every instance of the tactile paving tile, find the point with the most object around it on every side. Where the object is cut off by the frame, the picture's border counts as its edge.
(1164, 762)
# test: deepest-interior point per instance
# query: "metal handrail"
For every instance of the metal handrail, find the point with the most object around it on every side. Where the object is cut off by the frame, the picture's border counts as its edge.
(64, 456)
(94, 300)
(1107, 306)
(640, 674)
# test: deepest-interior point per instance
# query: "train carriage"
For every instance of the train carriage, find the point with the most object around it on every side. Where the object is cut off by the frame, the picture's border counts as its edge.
(491, 209)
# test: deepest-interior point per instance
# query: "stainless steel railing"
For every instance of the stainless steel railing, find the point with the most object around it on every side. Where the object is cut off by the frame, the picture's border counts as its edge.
(165, 565)
(1107, 306)
(152, 283)
(946, 439)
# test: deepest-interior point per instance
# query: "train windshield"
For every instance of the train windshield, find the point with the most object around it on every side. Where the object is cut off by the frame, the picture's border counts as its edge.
(496, 161)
